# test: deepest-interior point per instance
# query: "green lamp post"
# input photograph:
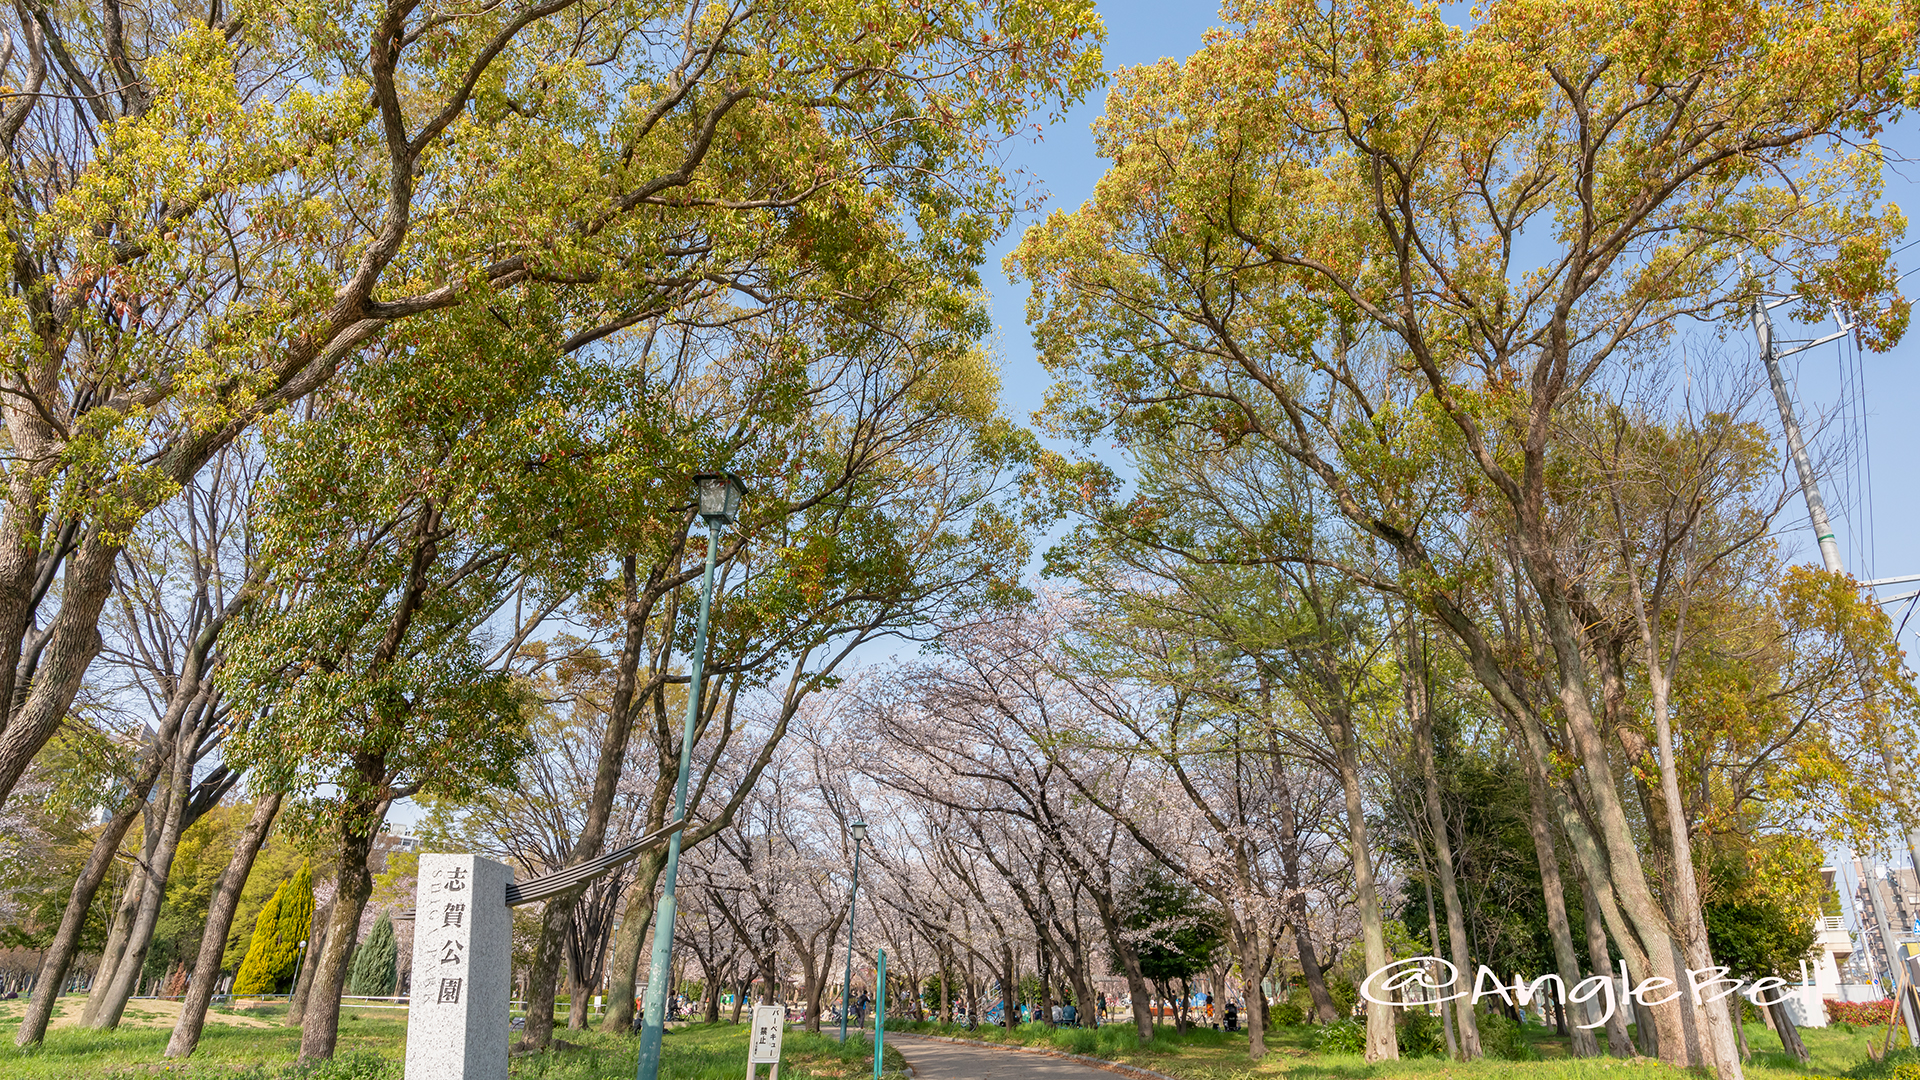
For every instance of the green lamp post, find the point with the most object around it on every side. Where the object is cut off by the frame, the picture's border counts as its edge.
(859, 831)
(718, 500)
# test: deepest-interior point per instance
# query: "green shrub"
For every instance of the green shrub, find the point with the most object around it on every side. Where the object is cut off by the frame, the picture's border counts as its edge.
(1501, 1038)
(1342, 1037)
(283, 924)
(361, 1065)
(1345, 996)
(1419, 1034)
(1289, 1012)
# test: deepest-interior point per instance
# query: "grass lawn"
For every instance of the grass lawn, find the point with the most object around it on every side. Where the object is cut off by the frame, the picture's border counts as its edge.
(1205, 1054)
(373, 1046)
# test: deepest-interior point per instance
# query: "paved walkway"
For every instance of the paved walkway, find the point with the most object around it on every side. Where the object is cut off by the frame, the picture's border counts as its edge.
(935, 1060)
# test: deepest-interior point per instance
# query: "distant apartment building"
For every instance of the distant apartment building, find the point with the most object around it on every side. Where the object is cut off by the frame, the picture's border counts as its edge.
(1832, 945)
(1897, 891)
(387, 844)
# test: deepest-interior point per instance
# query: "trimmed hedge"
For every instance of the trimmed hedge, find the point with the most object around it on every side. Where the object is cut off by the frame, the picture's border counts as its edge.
(1860, 1013)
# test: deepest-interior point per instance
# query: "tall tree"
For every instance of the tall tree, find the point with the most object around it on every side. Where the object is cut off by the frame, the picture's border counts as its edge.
(232, 202)
(1312, 236)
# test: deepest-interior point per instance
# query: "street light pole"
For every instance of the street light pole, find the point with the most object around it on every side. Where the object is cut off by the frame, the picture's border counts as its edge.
(718, 499)
(300, 953)
(859, 831)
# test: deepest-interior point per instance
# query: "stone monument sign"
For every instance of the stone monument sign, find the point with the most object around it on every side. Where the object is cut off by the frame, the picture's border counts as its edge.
(458, 1009)
(462, 948)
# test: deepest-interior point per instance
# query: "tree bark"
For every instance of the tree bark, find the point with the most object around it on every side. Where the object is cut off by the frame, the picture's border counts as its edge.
(556, 921)
(1689, 917)
(1250, 980)
(624, 971)
(1625, 870)
(66, 939)
(1469, 1030)
(1382, 1040)
(320, 1024)
(1600, 962)
(69, 646)
(213, 940)
(1433, 938)
(1558, 927)
(302, 989)
(1008, 985)
(946, 982)
(121, 928)
(126, 975)
(1130, 968)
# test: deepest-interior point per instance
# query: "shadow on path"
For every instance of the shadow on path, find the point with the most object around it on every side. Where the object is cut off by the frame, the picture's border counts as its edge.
(934, 1060)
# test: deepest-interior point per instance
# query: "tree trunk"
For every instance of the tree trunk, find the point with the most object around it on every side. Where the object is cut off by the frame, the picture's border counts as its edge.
(159, 865)
(317, 933)
(121, 930)
(71, 642)
(946, 983)
(1625, 872)
(213, 940)
(1433, 939)
(1546, 852)
(556, 921)
(1382, 1041)
(1129, 960)
(626, 948)
(1633, 920)
(816, 990)
(1443, 865)
(320, 1025)
(66, 939)
(1007, 986)
(1600, 962)
(1689, 917)
(1255, 1016)
(1043, 961)
(816, 963)
(578, 1000)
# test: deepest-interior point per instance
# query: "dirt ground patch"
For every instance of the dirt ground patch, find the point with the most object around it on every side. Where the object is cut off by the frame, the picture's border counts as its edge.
(141, 1012)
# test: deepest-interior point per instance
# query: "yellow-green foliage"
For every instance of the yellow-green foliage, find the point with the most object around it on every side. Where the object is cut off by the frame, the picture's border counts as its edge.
(277, 934)
(296, 910)
(257, 973)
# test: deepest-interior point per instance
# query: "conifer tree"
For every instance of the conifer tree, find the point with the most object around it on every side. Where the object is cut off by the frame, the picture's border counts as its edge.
(258, 971)
(296, 919)
(374, 965)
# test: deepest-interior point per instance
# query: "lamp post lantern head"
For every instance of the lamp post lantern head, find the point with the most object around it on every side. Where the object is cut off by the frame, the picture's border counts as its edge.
(718, 494)
(859, 831)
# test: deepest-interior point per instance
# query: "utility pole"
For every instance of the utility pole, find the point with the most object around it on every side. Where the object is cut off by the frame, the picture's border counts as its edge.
(1898, 970)
(1796, 444)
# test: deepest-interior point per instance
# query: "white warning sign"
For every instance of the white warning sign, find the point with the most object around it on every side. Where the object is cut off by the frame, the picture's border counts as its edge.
(769, 1023)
